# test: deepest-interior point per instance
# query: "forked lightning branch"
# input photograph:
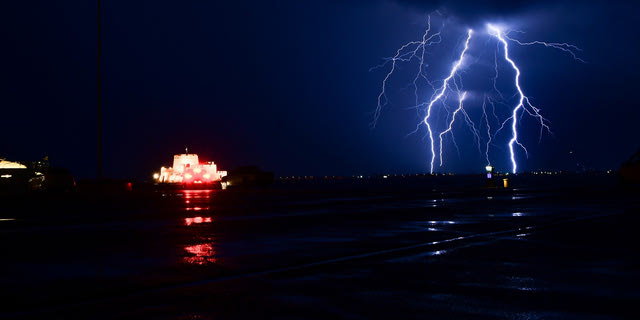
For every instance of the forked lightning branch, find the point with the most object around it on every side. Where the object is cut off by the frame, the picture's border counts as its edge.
(453, 84)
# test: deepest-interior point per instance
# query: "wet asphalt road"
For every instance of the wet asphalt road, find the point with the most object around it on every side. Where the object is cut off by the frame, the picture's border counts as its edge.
(546, 249)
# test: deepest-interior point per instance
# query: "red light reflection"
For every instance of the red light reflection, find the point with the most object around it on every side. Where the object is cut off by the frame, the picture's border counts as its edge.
(197, 208)
(190, 221)
(202, 254)
(197, 200)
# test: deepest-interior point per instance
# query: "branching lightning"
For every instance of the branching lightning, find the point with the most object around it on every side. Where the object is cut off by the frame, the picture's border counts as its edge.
(566, 47)
(453, 118)
(488, 124)
(440, 92)
(523, 100)
(453, 83)
(407, 52)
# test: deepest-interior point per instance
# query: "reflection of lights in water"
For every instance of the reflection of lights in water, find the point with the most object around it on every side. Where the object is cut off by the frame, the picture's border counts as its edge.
(442, 222)
(517, 214)
(197, 208)
(190, 221)
(196, 200)
(7, 219)
(523, 283)
(201, 254)
(432, 229)
(522, 235)
(439, 252)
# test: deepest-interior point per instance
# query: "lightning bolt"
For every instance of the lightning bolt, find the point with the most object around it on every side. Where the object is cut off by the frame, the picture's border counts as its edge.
(417, 50)
(486, 119)
(440, 92)
(453, 118)
(522, 99)
(566, 47)
(405, 53)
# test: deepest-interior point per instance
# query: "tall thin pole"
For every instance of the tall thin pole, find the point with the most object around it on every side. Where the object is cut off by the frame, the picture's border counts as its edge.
(99, 144)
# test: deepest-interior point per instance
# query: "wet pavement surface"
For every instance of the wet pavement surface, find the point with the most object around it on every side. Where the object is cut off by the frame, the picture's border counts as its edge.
(553, 248)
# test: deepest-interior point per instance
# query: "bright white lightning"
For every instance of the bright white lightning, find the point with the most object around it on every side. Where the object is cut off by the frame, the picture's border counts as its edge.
(440, 92)
(496, 32)
(416, 51)
(486, 119)
(453, 118)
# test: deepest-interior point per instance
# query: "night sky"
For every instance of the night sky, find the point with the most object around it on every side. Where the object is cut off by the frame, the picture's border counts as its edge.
(286, 85)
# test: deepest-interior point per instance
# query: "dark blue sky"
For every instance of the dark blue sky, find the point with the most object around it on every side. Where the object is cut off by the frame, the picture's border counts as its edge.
(286, 85)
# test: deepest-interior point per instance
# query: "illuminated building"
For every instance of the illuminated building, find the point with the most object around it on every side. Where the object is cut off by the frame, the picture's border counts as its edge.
(4, 164)
(188, 169)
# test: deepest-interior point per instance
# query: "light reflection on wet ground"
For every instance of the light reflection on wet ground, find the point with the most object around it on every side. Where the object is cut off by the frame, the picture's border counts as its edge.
(472, 254)
(199, 201)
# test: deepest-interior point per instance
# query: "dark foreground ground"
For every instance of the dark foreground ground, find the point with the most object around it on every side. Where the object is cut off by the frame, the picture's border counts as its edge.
(447, 248)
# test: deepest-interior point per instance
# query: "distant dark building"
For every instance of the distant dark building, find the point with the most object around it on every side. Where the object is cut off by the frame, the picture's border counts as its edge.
(247, 177)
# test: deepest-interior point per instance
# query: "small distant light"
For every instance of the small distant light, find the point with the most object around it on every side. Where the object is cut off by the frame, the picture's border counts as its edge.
(5, 176)
(156, 176)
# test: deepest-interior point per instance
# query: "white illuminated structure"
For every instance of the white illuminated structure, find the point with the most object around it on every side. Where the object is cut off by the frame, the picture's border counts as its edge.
(188, 169)
(11, 165)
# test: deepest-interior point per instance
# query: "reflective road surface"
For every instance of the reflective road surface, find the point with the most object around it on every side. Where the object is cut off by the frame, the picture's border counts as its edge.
(552, 248)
